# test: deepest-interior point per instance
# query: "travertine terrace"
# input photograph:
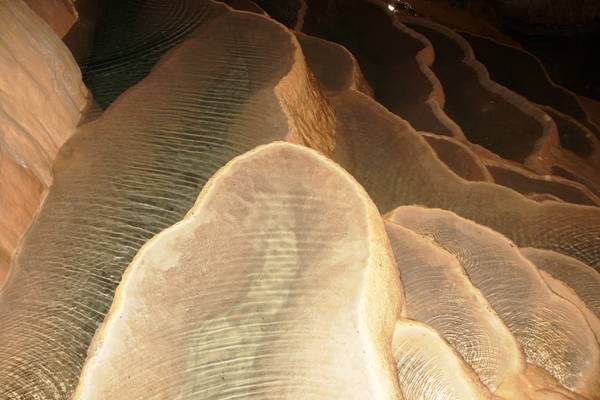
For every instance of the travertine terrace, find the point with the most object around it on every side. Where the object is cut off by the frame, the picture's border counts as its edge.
(289, 199)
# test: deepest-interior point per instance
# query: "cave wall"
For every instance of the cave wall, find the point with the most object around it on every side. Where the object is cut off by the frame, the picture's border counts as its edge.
(43, 98)
(59, 14)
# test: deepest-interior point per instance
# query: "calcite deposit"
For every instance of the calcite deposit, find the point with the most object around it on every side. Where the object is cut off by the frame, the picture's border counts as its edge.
(42, 100)
(60, 15)
(293, 294)
(289, 199)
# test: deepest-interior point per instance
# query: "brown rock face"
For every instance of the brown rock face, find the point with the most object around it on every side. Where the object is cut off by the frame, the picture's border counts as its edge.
(59, 14)
(42, 100)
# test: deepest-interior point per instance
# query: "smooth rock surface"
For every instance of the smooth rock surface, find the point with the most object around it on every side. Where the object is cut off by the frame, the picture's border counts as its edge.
(527, 76)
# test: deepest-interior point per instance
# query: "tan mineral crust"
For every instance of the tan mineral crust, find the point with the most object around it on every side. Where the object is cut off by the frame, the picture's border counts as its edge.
(517, 292)
(60, 15)
(42, 100)
(292, 294)
(217, 232)
(112, 189)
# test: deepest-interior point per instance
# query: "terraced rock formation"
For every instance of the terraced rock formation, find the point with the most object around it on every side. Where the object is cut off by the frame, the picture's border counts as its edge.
(553, 127)
(429, 368)
(579, 279)
(570, 351)
(441, 291)
(297, 284)
(392, 52)
(531, 78)
(136, 170)
(490, 116)
(528, 183)
(388, 55)
(578, 134)
(173, 258)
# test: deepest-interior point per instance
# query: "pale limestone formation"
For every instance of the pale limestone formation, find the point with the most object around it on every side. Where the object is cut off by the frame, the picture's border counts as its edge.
(528, 381)
(561, 289)
(398, 61)
(428, 368)
(552, 331)
(286, 288)
(581, 281)
(282, 264)
(397, 167)
(439, 292)
(42, 100)
(136, 170)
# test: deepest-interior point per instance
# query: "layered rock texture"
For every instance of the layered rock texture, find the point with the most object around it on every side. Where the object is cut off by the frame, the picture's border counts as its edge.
(290, 199)
(275, 321)
(59, 14)
(42, 101)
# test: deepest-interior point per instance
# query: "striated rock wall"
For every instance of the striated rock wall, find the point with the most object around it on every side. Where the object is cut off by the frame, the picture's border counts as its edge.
(59, 14)
(42, 100)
